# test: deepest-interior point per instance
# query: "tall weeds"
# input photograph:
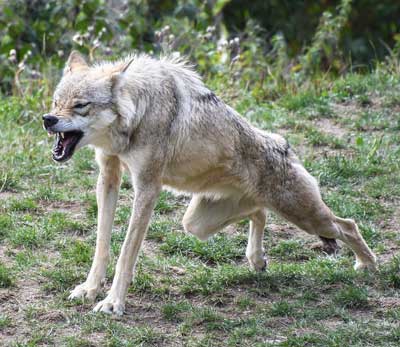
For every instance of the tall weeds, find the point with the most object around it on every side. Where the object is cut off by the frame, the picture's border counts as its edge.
(253, 60)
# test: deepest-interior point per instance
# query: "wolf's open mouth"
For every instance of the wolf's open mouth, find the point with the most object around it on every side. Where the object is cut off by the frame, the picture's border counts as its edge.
(65, 144)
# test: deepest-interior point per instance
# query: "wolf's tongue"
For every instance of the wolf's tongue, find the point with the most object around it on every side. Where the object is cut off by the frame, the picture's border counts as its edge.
(66, 141)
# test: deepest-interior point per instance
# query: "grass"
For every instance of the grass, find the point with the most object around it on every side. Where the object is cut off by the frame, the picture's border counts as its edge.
(352, 297)
(6, 279)
(219, 249)
(192, 293)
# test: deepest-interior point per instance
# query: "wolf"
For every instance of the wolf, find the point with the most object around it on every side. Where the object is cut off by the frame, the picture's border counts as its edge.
(158, 120)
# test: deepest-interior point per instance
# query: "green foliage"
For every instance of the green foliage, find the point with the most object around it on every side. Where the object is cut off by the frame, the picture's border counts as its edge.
(23, 205)
(5, 321)
(136, 336)
(281, 309)
(62, 277)
(144, 281)
(390, 274)
(325, 43)
(6, 279)
(365, 35)
(32, 32)
(174, 311)
(5, 225)
(352, 297)
(27, 237)
(219, 248)
(37, 36)
(78, 252)
(166, 203)
(291, 250)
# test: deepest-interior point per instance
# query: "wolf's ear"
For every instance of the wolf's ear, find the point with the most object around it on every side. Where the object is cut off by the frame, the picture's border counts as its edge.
(120, 70)
(75, 62)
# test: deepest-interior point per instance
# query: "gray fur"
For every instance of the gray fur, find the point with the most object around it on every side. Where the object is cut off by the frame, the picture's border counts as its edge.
(157, 119)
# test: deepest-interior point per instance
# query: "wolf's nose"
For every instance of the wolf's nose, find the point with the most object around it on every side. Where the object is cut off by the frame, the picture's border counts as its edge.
(49, 120)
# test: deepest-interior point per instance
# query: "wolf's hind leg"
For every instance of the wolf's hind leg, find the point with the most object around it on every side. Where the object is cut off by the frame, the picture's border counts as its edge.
(255, 250)
(350, 235)
(205, 216)
(302, 205)
(107, 195)
(347, 231)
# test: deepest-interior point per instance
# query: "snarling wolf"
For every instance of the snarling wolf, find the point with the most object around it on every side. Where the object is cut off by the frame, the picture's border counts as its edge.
(157, 119)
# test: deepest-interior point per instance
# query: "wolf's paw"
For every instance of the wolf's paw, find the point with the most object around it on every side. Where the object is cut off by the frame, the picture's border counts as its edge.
(258, 263)
(365, 265)
(84, 291)
(110, 305)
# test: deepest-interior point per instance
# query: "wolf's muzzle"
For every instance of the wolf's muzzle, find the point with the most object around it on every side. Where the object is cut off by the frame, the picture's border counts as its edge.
(49, 120)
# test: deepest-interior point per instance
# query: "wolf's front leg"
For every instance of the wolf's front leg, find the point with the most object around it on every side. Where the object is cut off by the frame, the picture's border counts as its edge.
(255, 251)
(145, 199)
(107, 195)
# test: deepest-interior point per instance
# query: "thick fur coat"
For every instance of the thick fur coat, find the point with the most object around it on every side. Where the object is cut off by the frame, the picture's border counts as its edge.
(156, 118)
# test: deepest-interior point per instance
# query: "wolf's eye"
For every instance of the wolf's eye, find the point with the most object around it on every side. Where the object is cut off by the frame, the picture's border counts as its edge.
(81, 105)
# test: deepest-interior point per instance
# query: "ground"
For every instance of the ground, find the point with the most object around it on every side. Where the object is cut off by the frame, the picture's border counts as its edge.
(192, 293)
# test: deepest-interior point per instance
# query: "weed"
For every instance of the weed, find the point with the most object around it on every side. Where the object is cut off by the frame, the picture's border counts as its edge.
(72, 341)
(390, 274)
(159, 230)
(5, 225)
(281, 309)
(166, 203)
(244, 302)
(62, 277)
(174, 311)
(291, 250)
(5, 321)
(26, 237)
(352, 297)
(25, 205)
(144, 281)
(78, 253)
(318, 138)
(220, 248)
(6, 279)
(137, 336)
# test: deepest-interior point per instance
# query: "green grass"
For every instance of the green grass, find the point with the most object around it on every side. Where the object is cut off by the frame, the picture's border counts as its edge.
(281, 309)
(6, 279)
(173, 311)
(61, 277)
(192, 293)
(352, 297)
(5, 321)
(218, 249)
(291, 250)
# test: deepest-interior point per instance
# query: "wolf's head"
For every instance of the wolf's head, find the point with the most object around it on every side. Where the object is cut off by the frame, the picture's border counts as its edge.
(82, 110)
